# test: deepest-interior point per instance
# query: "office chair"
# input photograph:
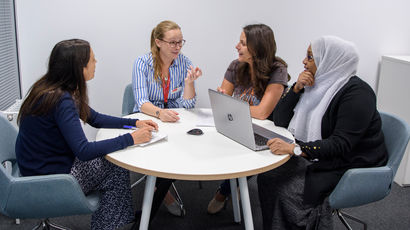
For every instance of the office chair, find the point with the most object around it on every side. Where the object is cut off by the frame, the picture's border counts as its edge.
(361, 186)
(128, 103)
(41, 197)
(128, 100)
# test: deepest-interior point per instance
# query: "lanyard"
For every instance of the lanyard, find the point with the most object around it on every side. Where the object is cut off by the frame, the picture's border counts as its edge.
(165, 89)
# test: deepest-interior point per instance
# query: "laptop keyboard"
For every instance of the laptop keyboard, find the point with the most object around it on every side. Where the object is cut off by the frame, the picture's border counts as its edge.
(260, 140)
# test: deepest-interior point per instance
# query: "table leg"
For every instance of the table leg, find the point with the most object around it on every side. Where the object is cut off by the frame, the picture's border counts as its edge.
(235, 200)
(147, 202)
(246, 204)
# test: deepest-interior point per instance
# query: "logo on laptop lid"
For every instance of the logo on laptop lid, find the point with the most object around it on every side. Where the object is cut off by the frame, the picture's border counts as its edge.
(230, 117)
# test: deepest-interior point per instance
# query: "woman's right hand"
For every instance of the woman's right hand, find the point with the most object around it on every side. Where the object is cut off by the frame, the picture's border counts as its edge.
(167, 115)
(305, 78)
(279, 147)
(142, 135)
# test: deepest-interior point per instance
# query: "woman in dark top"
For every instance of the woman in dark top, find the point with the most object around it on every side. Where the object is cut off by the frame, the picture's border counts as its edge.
(332, 114)
(258, 77)
(52, 141)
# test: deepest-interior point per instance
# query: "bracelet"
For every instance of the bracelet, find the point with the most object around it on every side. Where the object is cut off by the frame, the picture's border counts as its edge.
(287, 91)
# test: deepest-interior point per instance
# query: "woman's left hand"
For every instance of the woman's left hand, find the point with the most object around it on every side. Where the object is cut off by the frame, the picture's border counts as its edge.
(280, 147)
(221, 90)
(193, 74)
(146, 123)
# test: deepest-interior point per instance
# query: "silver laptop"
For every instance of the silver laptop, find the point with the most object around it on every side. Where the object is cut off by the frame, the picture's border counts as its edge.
(232, 118)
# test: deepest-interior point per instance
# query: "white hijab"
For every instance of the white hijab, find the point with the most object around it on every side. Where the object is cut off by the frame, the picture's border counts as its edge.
(336, 61)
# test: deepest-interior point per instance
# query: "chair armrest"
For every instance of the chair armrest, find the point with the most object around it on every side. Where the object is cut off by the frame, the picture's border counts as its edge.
(48, 196)
(361, 186)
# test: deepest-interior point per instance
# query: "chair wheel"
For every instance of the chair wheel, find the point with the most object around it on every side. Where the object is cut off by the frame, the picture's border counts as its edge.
(183, 211)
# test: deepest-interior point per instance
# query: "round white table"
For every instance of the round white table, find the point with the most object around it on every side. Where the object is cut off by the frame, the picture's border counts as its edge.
(210, 156)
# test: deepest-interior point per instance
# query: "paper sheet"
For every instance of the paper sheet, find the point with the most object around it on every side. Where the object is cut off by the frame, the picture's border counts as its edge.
(156, 136)
(205, 118)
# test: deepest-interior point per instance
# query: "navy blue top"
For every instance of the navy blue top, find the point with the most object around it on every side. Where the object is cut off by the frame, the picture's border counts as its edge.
(48, 144)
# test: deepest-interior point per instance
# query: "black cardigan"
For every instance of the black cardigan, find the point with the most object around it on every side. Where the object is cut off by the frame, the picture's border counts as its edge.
(351, 137)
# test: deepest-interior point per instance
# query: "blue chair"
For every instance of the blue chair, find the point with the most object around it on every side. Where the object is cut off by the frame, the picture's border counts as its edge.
(361, 186)
(40, 197)
(128, 100)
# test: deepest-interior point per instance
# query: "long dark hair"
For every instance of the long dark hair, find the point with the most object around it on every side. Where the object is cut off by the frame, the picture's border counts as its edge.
(65, 74)
(261, 45)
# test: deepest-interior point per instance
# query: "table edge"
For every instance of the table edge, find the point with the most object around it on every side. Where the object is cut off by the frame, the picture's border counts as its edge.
(198, 176)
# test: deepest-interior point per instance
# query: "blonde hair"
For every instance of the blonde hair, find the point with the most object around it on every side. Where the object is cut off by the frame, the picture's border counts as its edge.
(158, 33)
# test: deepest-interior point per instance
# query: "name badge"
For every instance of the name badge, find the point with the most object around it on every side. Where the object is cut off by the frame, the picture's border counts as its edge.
(176, 90)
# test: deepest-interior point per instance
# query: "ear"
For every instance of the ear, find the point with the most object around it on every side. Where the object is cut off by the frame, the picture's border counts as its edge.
(158, 42)
(85, 73)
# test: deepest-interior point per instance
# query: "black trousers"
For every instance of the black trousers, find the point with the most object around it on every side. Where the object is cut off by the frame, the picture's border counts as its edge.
(162, 185)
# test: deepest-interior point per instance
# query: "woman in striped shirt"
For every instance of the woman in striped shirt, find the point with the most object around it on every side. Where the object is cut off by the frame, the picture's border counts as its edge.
(164, 78)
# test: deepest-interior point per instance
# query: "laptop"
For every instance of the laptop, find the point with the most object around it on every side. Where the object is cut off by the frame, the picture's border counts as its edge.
(232, 118)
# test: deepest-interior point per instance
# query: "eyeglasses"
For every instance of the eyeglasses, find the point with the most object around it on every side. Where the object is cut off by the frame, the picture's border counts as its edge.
(309, 57)
(173, 44)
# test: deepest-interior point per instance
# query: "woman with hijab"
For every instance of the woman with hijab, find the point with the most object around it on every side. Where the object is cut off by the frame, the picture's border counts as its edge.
(332, 114)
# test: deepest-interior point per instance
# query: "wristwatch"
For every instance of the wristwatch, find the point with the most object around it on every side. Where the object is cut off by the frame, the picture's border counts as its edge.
(297, 151)
(157, 113)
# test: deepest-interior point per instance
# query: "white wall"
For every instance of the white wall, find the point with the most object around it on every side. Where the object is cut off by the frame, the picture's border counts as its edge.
(119, 31)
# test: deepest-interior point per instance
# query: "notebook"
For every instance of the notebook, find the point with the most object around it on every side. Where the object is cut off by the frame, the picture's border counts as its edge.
(233, 119)
(156, 136)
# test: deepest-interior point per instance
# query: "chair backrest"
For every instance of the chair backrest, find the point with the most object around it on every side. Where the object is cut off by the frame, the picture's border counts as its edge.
(396, 136)
(361, 186)
(8, 135)
(128, 100)
(37, 196)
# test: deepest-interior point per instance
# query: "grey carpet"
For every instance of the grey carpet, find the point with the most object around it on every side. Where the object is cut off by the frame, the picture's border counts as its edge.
(391, 213)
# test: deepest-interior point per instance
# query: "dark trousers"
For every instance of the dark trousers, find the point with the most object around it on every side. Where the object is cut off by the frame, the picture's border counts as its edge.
(162, 186)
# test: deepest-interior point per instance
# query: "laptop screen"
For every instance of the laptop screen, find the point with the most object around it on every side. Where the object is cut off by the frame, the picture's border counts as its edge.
(233, 119)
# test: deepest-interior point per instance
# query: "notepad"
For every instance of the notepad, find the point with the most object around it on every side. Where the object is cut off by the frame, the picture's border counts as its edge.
(156, 136)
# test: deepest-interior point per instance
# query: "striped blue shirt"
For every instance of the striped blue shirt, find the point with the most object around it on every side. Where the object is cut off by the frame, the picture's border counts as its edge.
(147, 89)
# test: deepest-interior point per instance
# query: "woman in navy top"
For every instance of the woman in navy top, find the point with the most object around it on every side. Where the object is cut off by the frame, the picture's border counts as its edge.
(52, 141)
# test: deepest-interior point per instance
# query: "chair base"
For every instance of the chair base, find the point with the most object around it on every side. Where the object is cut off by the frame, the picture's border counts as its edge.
(179, 201)
(48, 225)
(342, 216)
